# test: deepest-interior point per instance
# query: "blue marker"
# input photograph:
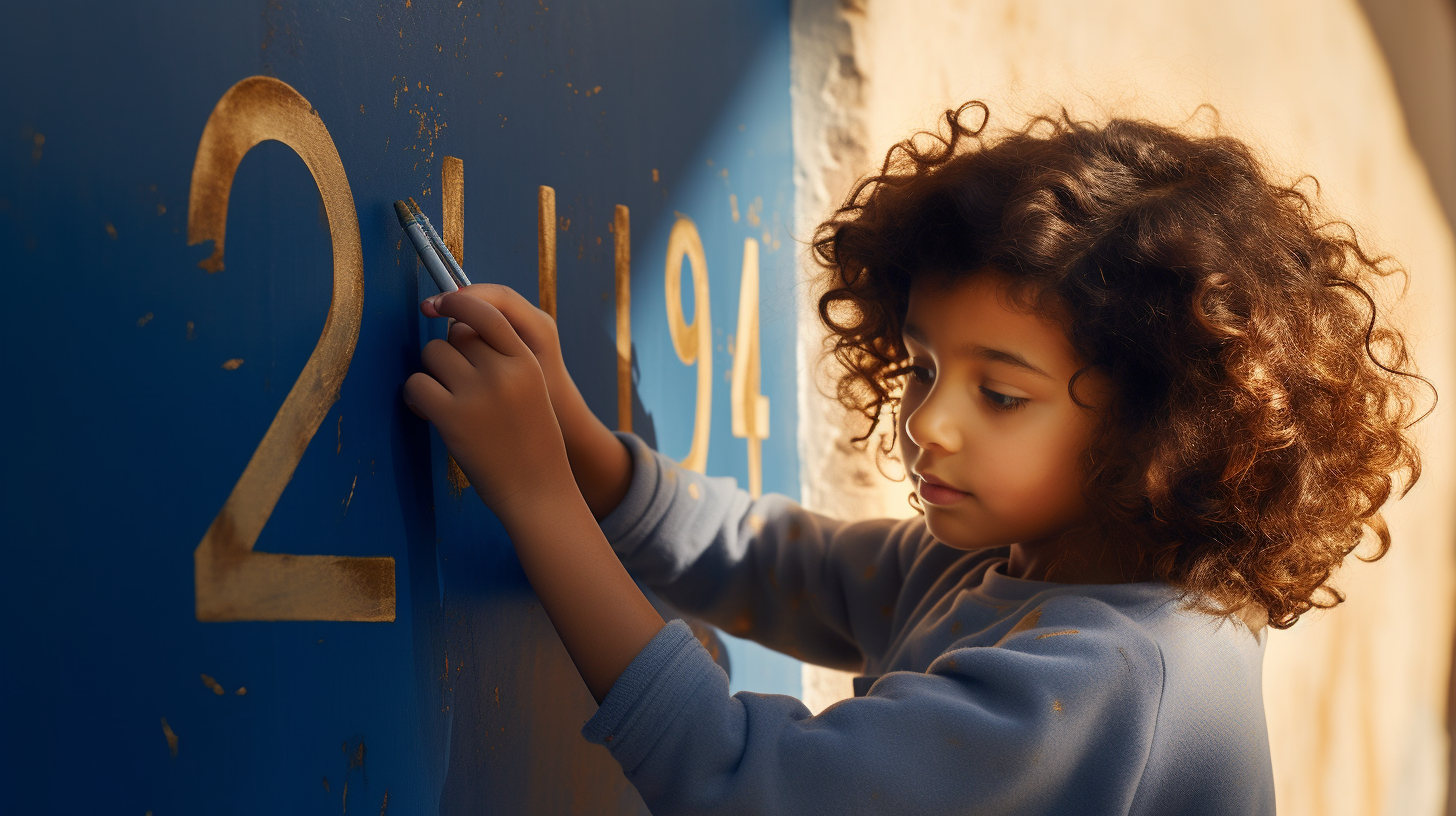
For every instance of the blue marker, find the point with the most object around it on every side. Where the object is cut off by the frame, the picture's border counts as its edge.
(440, 249)
(427, 254)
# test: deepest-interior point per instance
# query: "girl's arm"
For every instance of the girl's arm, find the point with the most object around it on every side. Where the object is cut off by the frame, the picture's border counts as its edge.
(818, 588)
(804, 584)
(1049, 722)
(486, 394)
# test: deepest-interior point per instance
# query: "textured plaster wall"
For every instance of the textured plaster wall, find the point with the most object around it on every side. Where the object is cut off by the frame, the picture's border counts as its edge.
(1356, 698)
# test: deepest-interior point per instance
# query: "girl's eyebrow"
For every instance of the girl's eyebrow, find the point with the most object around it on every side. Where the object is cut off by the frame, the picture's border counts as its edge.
(973, 350)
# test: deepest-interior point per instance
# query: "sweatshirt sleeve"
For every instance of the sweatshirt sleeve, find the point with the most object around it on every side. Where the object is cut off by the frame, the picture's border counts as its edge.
(1056, 718)
(817, 588)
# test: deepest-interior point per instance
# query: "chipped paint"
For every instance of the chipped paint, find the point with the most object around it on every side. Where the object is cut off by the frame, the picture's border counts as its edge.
(755, 212)
(233, 364)
(216, 687)
(171, 737)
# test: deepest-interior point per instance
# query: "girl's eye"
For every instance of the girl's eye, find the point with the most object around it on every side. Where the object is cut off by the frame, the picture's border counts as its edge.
(1002, 402)
(920, 374)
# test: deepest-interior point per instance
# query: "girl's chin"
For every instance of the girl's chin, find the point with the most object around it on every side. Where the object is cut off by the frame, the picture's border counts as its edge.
(954, 533)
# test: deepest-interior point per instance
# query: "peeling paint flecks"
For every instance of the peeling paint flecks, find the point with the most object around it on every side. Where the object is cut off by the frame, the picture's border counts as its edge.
(171, 737)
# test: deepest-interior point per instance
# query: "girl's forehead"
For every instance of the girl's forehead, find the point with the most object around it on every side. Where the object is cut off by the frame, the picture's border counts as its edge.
(982, 311)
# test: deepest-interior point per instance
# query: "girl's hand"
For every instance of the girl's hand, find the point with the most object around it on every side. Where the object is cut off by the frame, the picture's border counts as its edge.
(534, 326)
(486, 394)
(599, 462)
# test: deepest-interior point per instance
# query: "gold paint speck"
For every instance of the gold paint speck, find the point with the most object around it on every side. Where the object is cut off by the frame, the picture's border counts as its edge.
(144, 319)
(1054, 634)
(170, 735)
(212, 684)
(242, 691)
(111, 230)
(455, 476)
(694, 491)
(1027, 622)
(351, 493)
(233, 364)
(1057, 706)
(654, 175)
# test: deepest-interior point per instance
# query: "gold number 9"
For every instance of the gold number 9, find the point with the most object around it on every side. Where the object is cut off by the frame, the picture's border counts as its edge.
(234, 582)
(693, 342)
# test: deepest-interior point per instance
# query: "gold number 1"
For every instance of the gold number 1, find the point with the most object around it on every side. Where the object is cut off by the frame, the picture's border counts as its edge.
(233, 581)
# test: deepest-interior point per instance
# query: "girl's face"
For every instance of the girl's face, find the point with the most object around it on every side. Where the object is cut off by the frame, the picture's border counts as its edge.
(988, 430)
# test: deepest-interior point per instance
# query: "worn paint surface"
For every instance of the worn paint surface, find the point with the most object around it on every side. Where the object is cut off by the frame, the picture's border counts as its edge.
(117, 468)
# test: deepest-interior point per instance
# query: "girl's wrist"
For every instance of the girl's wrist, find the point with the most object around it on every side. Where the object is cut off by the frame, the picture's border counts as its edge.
(539, 489)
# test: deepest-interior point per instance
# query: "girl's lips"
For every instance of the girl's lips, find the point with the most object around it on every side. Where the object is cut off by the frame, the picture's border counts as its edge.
(938, 493)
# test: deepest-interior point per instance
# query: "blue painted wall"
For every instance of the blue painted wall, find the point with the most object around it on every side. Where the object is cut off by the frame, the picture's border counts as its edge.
(127, 432)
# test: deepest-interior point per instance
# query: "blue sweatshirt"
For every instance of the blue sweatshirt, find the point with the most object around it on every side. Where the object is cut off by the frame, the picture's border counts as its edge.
(980, 694)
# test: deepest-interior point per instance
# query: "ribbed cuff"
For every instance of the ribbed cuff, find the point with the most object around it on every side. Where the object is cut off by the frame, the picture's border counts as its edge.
(645, 700)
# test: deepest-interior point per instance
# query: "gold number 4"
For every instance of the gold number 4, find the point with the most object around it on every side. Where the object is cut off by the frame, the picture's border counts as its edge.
(233, 581)
(750, 408)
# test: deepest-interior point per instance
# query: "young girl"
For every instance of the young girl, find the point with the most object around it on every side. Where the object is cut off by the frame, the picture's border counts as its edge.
(1148, 409)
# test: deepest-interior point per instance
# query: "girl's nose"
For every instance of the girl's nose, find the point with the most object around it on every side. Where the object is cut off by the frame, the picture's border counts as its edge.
(934, 423)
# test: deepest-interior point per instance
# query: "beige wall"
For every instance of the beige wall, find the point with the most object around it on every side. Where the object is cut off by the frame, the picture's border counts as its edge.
(1356, 698)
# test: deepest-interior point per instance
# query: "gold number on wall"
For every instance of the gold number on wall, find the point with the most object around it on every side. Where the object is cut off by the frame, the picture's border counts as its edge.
(693, 341)
(750, 408)
(452, 201)
(546, 248)
(233, 581)
(622, 243)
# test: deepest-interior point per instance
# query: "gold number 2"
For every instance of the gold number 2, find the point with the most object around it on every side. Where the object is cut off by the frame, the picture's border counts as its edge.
(234, 582)
(693, 341)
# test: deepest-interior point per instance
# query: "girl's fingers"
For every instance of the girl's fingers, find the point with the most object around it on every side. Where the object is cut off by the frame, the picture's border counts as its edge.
(469, 344)
(424, 395)
(487, 320)
(446, 364)
(533, 325)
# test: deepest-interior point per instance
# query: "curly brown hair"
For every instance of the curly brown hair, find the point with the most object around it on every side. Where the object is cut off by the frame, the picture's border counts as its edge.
(1262, 407)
